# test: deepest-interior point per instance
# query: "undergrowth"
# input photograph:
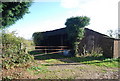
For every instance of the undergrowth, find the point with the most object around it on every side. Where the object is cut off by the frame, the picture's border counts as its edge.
(14, 53)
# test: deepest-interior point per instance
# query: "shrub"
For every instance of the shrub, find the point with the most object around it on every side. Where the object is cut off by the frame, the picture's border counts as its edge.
(13, 50)
(37, 37)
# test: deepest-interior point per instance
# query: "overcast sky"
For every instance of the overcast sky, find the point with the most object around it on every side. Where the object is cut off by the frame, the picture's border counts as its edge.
(48, 15)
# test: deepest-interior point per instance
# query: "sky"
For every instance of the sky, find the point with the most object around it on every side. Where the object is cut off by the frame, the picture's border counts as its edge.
(46, 15)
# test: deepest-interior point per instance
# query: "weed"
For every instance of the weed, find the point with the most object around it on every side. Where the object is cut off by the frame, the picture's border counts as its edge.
(38, 70)
(53, 61)
(104, 71)
(39, 79)
(70, 78)
(8, 78)
(68, 70)
(47, 64)
(80, 67)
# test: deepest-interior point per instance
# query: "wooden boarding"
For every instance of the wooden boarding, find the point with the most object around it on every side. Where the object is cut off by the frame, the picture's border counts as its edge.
(49, 53)
(49, 49)
(44, 48)
(51, 46)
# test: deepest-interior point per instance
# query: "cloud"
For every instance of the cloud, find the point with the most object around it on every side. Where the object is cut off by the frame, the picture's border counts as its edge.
(28, 29)
(69, 3)
(46, 0)
(103, 13)
(73, 3)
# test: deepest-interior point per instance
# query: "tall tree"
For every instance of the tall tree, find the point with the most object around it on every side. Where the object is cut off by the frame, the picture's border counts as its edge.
(12, 51)
(117, 33)
(114, 34)
(110, 33)
(75, 29)
(12, 11)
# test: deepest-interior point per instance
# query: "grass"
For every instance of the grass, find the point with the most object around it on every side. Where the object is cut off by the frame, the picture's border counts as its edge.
(38, 69)
(46, 64)
(49, 56)
(94, 59)
(53, 61)
(56, 74)
(97, 60)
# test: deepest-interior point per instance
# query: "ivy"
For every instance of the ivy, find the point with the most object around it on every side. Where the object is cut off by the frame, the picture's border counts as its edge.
(75, 30)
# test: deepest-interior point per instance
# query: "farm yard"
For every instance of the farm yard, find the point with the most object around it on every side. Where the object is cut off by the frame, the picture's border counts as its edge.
(24, 60)
(72, 52)
(80, 53)
(56, 66)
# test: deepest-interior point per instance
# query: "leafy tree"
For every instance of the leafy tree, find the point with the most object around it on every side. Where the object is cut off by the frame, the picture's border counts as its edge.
(117, 33)
(111, 33)
(12, 11)
(114, 34)
(13, 48)
(37, 37)
(75, 29)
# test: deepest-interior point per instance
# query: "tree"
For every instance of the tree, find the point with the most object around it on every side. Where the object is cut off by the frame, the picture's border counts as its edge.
(110, 32)
(37, 37)
(117, 33)
(12, 11)
(13, 48)
(114, 34)
(75, 30)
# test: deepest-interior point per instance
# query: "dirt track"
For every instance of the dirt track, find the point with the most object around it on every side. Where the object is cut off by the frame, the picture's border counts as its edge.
(75, 70)
(69, 70)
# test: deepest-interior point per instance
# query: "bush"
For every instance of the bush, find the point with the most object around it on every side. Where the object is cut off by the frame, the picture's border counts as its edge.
(75, 30)
(14, 50)
(37, 37)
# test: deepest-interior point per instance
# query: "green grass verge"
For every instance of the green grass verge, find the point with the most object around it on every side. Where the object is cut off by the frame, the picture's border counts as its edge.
(98, 61)
(94, 59)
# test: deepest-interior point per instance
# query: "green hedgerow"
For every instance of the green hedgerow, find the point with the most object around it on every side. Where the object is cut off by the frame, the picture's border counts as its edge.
(14, 50)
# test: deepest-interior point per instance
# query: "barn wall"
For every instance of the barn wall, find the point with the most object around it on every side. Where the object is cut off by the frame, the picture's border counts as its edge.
(55, 40)
(107, 47)
(116, 48)
(94, 42)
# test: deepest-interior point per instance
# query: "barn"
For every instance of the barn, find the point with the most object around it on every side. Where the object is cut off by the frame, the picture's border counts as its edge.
(93, 42)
